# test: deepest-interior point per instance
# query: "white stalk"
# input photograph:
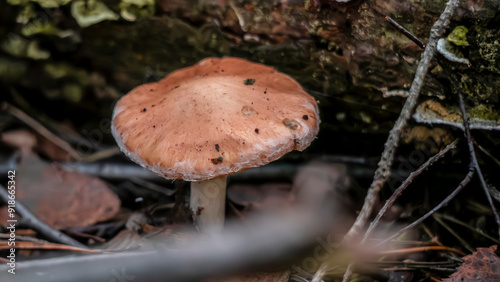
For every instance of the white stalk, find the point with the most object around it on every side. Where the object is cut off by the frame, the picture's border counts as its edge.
(208, 202)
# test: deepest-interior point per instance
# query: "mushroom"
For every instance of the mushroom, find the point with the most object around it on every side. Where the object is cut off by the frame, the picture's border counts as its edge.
(205, 122)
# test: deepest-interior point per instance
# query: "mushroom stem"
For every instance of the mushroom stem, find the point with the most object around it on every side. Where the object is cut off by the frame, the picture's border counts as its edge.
(208, 204)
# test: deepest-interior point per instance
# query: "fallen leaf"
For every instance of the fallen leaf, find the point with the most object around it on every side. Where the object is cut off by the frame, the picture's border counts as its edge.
(62, 198)
(482, 265)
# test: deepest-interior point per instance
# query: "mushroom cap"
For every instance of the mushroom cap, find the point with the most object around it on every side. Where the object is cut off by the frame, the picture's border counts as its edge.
(213, 119)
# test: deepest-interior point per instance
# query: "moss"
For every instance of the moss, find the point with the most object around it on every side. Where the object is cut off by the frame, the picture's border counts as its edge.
(434, 6)
(484, 112)
(485, 48)
(482, 88)
(490, 52)
(458, 36)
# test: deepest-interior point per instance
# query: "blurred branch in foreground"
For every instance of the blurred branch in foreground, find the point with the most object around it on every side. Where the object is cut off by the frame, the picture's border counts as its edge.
(261, 241)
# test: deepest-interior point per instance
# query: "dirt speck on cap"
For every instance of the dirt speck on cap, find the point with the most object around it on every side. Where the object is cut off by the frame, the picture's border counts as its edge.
(291, 124)
(248, 111)
(249, 81)
(217, 147)
(216, 161)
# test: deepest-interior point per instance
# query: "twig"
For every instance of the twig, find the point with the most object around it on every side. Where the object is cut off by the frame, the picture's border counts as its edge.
(264, 240)
(486, 152)
(405, 32)
(21, 238)
(270, 172)
(459, 222)
(101, 154)
(34, 223)
(473, 157)
(45, 246)
(462, 184)
(403, 186)
(414, 264)
(85, 235)
(383, 171)
(422, 249)
(41, 129)
(455, 234)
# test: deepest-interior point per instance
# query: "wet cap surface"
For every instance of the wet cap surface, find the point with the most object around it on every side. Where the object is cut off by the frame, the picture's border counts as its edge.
(208, 120)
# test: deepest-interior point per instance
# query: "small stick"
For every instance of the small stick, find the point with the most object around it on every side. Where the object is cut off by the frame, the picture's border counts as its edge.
(455, 234)
(473, 157)
(85, 235)
(462, 184)
(45, 246)
(486, 152)
(423, 249)
(42, 228)
(403, 186)
(383, 171)
(405, 32)
(461, 223)
(41, 129)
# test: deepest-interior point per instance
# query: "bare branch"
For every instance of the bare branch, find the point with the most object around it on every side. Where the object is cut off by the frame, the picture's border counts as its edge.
(383, 171)
(403, 186)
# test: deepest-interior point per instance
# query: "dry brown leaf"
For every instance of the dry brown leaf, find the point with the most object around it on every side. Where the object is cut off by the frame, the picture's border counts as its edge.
(63, 198)
(482, 265)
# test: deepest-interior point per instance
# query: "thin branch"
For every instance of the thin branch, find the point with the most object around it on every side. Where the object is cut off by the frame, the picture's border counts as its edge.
(383, 171)
(473, 157)
(422, 249)
(266, 239)
(45, 246)
(455, 234)
(403, 186)
(486, 152)
(42, 228)
(462, 184)
(41, 129)
(461, 223)
(405, 32)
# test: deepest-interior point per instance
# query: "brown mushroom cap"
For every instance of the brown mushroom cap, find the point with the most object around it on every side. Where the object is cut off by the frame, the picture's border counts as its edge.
(215, 118)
